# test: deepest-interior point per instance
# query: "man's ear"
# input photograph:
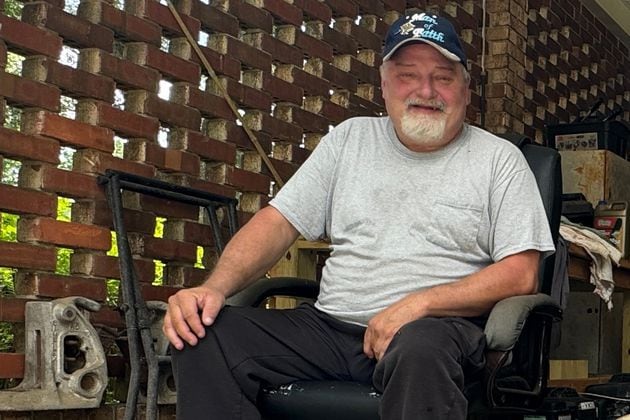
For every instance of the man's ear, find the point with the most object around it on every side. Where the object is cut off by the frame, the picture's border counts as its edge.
(468, 95)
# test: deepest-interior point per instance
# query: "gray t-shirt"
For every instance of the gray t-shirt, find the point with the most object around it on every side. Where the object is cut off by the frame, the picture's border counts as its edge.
(400, 221)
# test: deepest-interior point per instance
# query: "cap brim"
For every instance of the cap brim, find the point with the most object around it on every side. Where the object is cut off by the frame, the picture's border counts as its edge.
(446, 53)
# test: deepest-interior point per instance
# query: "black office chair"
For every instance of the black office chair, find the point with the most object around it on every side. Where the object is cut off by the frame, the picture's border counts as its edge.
(517, 332)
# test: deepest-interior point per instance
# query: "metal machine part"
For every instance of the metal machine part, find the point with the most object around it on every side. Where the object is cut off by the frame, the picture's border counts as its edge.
(65, 365)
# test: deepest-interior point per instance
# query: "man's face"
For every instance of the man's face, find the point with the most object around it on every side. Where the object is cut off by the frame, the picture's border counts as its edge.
(425, 95)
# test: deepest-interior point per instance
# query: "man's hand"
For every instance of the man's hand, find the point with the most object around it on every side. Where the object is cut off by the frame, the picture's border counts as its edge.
(182, 321)
(384, 325)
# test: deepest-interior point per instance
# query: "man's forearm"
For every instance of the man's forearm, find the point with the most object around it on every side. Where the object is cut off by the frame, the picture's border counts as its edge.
(252, 251)
(478, 293)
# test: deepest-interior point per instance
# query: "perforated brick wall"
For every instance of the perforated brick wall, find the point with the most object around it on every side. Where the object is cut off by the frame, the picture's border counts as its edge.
(89, 94)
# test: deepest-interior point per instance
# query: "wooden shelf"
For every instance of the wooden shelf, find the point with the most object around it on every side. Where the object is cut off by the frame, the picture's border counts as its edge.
(579, 263)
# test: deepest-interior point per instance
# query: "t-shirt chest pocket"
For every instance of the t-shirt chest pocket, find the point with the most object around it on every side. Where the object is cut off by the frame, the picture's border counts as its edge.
(454, 226)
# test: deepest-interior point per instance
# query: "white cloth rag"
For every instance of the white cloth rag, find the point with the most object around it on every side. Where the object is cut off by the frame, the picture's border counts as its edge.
(602, 254)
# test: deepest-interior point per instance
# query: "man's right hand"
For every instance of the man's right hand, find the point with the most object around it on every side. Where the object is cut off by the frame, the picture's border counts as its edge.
(183, 322)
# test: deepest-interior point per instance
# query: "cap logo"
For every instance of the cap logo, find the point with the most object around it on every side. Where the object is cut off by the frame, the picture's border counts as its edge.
(426, 31)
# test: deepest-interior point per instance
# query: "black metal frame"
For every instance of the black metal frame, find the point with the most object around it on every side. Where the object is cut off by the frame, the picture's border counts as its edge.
(138, 317)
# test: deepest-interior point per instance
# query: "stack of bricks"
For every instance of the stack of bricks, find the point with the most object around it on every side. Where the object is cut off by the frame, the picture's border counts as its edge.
(549, 62)
(292, 67)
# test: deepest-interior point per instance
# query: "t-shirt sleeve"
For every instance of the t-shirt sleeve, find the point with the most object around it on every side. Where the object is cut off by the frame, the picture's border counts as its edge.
(304, 199)
(517, 214)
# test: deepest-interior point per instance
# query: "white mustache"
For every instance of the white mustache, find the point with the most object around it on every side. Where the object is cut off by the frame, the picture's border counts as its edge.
(430, 104)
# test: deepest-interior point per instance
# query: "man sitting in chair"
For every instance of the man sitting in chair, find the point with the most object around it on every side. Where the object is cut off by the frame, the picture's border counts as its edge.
(431, 222)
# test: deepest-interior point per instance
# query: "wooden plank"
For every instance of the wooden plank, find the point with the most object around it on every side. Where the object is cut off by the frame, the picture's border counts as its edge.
(568, 369)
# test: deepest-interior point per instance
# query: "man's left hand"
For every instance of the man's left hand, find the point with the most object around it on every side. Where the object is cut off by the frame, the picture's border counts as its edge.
(384, 325)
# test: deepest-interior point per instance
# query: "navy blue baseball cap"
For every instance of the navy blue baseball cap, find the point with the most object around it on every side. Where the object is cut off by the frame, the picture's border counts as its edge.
(427, 28)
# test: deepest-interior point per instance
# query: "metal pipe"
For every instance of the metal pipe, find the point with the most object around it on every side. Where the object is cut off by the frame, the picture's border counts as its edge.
(127, 287)
(137, 316)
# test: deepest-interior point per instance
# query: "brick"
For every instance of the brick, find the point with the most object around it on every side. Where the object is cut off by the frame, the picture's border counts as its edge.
(364, 37)
(363, 72)
(162, 249)
(243, 95)
(25, 92)
(307, 120)
(315, 9)
(209, 104)
(241, 179)
(215, 20)
(291, 152)
(207, 148)
(312, 85)
(11, 365)
(246, 54)
(341, 43)
(22, 201)
(172, 113)
(170, 66)
(66, 183)
(283, 90)
(165, 159)
(99, 213)
(124, 123)
(75, 133)
(284, 169)
(19, 146)
(3, 54)
(229, 131)
(65, 234)
(75, 83)
(326, 108)
(28, 39)
(168, 208)
(126, 26)
(129, 75)
(92, 161)
(109, 267)
(313, 47)
(212, 187)
(251, 16)
(370, 7)
(55, 286)
(186, 276)
(33, 257)
(278, 129)
(75, 31)
(338, 78)
(346, 8)
(284, 12)
(161, 293)
(161, 15)
(187, 231)
(280, 51)
(220, 63)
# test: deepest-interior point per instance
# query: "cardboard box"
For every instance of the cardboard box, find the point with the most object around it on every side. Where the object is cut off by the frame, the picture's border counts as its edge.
(598, 174)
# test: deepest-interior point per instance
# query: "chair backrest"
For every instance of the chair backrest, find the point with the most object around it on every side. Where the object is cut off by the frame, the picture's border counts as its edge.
(545, 165)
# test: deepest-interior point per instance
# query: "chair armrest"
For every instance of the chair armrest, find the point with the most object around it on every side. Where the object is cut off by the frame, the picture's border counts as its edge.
(508, 317)
(255, 294)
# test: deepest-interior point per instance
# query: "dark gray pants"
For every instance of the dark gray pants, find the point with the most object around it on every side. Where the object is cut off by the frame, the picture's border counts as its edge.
(421, 375)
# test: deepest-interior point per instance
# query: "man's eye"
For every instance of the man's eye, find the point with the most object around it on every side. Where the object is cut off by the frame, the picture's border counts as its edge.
(444, 78)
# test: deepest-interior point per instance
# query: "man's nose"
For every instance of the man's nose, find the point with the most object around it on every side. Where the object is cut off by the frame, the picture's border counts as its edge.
(425, 89)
